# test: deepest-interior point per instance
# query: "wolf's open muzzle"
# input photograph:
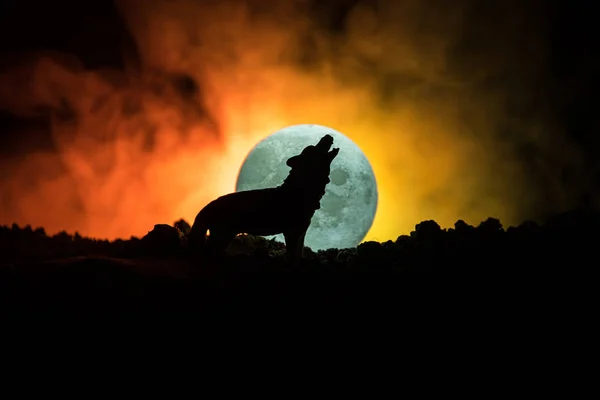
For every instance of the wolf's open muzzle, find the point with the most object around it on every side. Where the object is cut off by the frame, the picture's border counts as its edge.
(325, 143)
(315, 152)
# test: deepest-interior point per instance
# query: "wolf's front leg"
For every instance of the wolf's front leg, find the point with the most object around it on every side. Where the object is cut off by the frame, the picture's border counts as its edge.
(300, 250)
(294, 244)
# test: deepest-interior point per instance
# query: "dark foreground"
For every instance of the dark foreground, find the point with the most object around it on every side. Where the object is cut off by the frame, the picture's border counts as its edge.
(527, 272)
(490, 308)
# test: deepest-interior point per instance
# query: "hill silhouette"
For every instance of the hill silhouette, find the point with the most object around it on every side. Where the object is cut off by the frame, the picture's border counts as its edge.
(75, 274)
(569, 237)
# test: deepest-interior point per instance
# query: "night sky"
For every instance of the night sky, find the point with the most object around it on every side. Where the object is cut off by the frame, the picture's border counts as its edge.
(514, 82)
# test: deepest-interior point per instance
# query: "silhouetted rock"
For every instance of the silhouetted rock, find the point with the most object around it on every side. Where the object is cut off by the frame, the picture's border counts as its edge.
(133, 247)
(329, 255)
(372, 254)
(568, 240)
(345, 256)
(403, 240)
(578, 222)
(462, 227)
(529, 226)
(426, 230)
(183, 226)
(389, 245)
(526, 229)
(163, 240)
(491, 226)
(368, 249)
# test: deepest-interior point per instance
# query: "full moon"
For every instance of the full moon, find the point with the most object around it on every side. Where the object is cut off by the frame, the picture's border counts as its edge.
(350, 201)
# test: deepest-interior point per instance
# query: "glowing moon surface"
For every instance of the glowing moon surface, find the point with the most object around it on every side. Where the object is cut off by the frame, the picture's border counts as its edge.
(350, 201)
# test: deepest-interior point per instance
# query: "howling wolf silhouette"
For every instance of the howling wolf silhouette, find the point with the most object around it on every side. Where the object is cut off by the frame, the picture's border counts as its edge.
(286, 209)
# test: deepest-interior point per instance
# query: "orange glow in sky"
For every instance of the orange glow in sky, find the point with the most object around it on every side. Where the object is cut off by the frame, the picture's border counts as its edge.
(142, 152)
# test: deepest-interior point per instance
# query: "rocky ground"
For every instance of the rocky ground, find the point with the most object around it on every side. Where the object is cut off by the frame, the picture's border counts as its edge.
(62, 273)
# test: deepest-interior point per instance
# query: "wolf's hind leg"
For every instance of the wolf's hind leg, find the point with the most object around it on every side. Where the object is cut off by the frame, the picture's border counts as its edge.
(300, 249)
(218, 241)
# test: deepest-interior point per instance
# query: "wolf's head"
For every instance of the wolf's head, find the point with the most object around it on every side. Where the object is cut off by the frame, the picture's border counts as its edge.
(309, 174)
(315, 159)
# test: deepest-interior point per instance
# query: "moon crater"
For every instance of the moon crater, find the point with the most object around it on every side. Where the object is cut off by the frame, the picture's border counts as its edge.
(339, 177)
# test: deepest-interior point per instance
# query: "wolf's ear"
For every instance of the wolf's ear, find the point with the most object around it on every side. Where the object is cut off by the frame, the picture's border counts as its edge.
(292, 161)
(333, 153)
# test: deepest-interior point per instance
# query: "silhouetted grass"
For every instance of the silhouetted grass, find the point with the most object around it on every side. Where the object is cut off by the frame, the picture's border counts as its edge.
(71, 272)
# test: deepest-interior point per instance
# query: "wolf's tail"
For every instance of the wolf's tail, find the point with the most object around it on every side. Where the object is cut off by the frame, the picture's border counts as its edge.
(197, 235)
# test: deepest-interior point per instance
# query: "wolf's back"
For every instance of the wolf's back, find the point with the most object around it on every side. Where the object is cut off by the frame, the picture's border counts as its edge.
(218, 211)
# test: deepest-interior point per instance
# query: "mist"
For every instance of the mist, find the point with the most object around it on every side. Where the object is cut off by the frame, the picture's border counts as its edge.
(446, 99)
